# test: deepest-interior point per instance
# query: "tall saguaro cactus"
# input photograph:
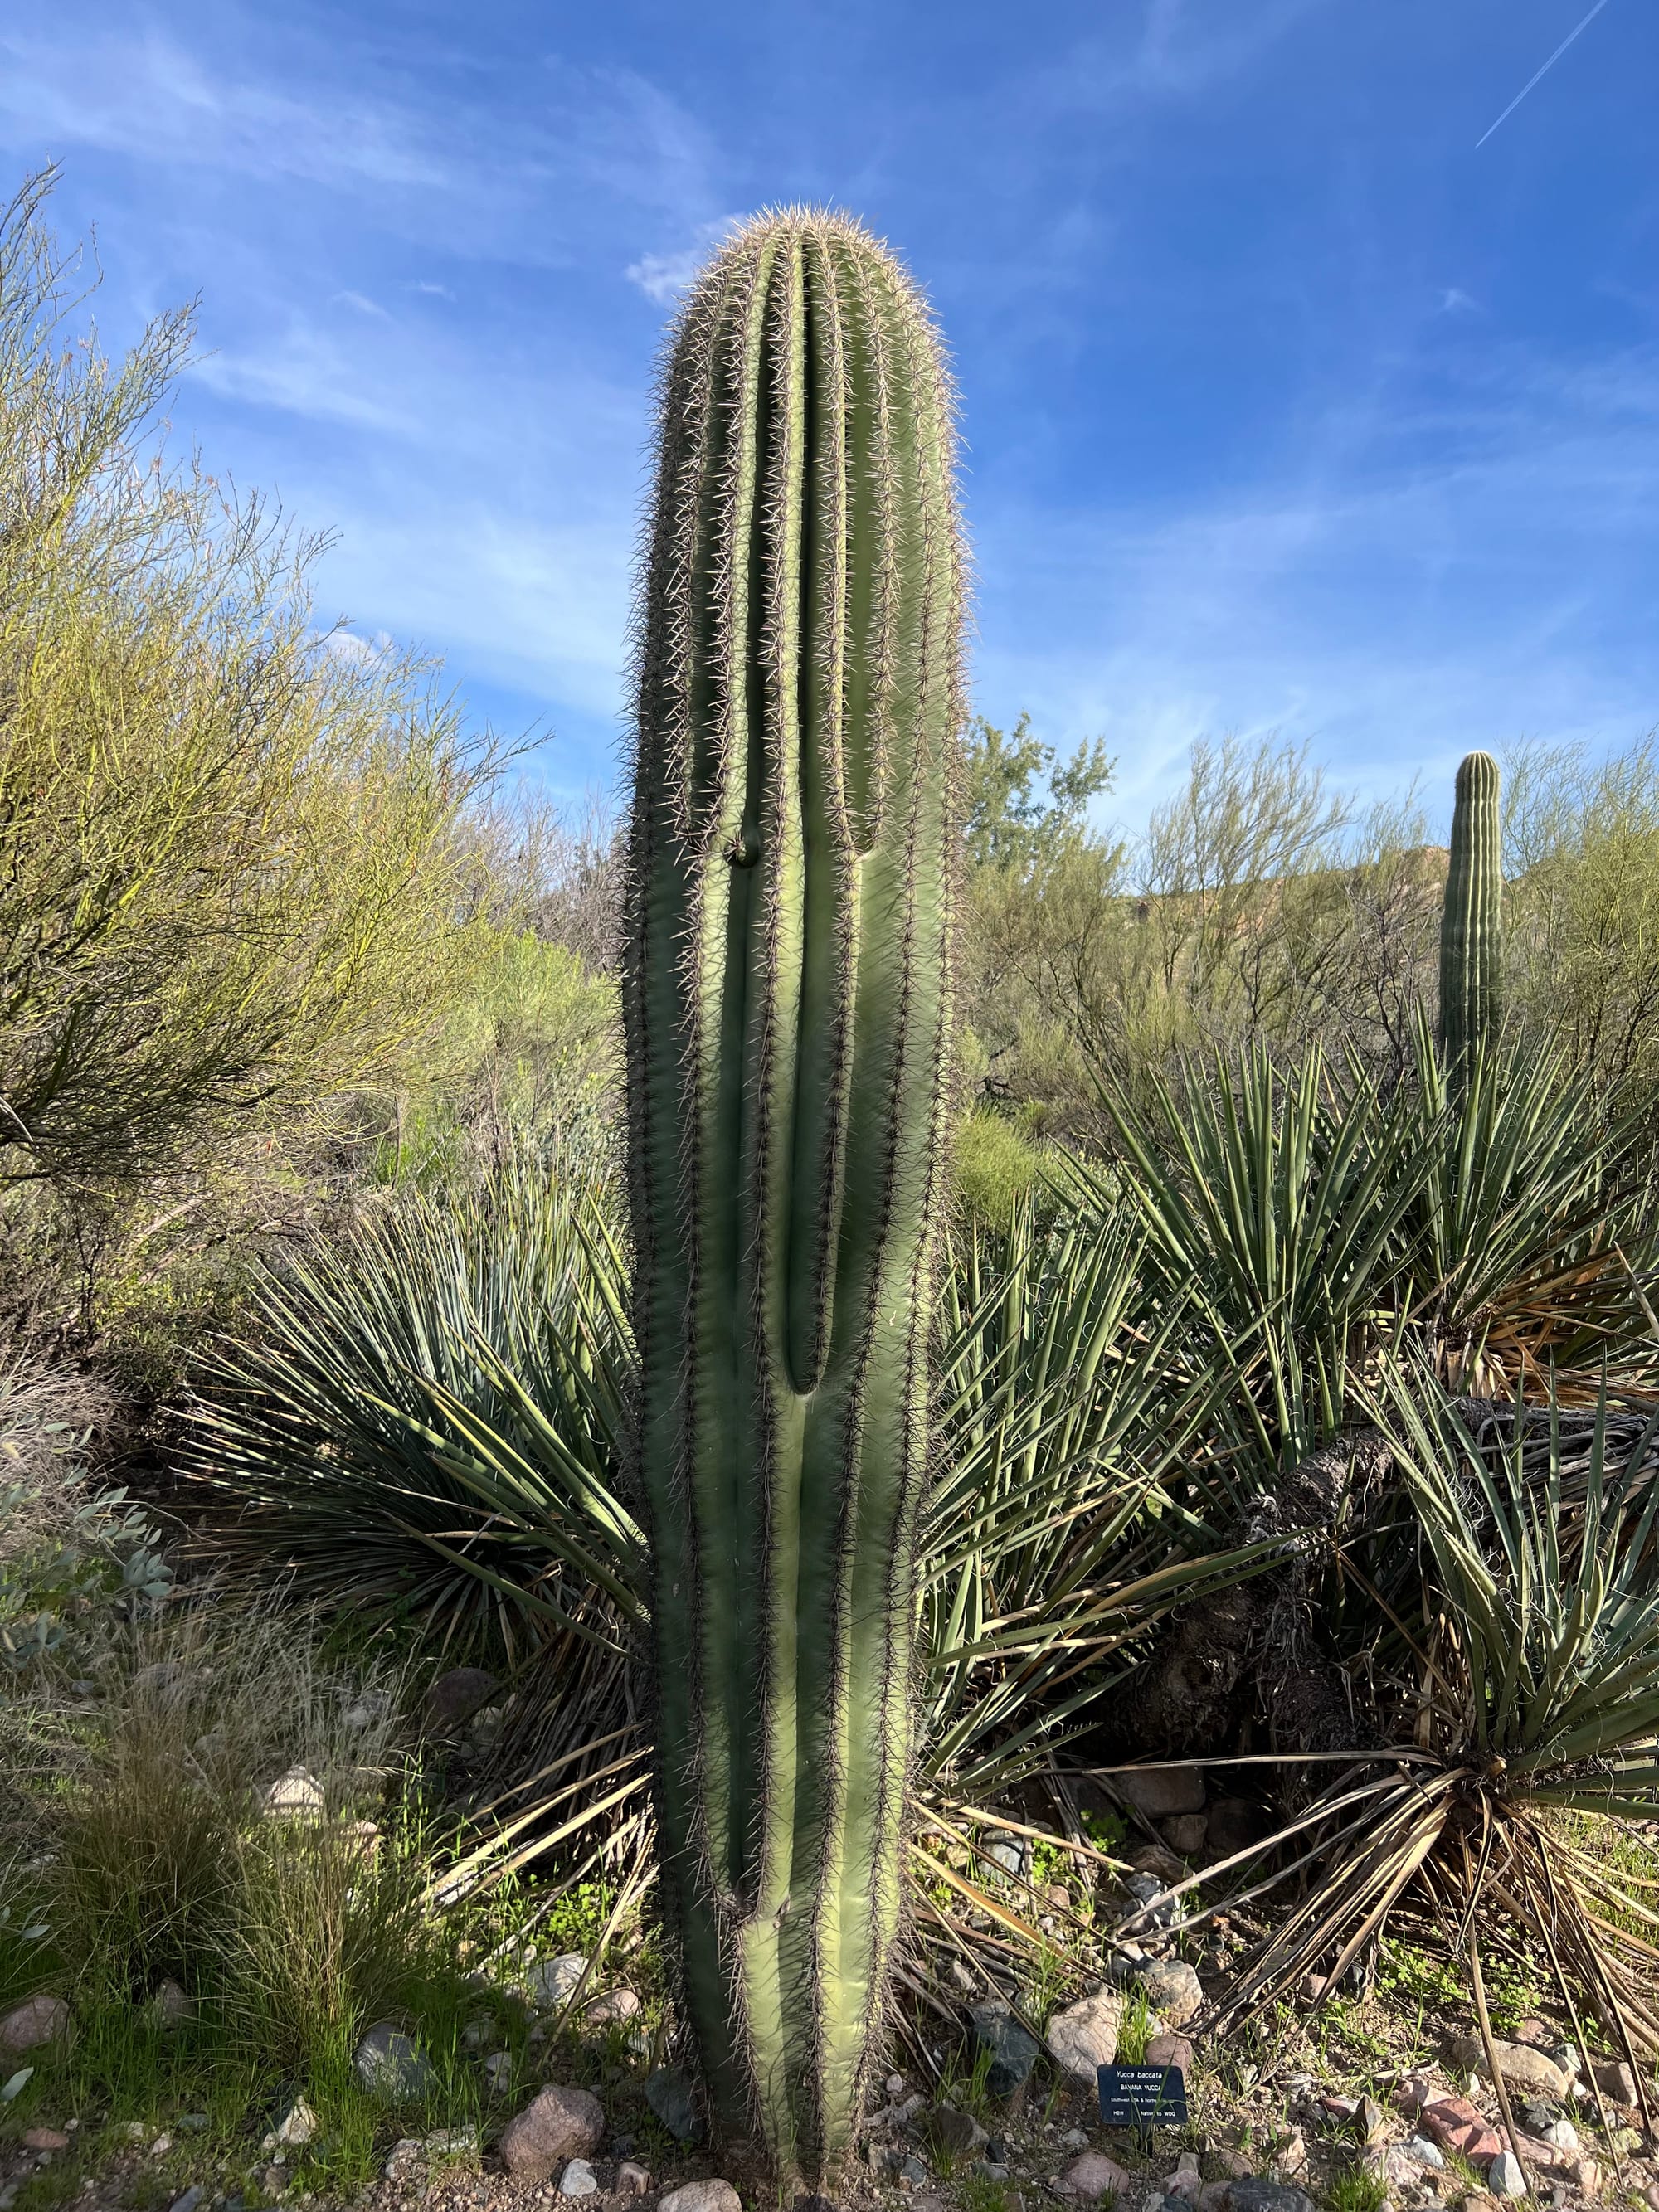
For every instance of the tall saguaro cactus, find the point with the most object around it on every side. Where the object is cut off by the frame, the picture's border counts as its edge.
(786, 992)
(1472, 921)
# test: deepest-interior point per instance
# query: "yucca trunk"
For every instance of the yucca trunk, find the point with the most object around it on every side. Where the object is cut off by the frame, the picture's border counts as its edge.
(787, 987)
(1472, 921)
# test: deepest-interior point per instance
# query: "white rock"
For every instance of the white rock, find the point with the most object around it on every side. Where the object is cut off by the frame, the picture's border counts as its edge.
(298, 2124)
(1505, 2177)
(405, 2157)
(552, 1982)
(296, 1796)
(578, 2180)
(1426, 2152)
(610, 2010)
(701, 2197)
(39, 2019)
(1084, 2037)
(451, 2142)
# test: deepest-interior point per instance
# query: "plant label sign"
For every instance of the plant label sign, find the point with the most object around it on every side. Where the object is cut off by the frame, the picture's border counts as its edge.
(1143, 2096)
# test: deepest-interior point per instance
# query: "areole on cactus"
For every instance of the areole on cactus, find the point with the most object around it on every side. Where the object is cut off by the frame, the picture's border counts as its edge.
(1472, 920)
(787, 979)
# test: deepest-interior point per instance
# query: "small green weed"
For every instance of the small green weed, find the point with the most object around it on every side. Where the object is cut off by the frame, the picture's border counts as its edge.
(1136, 2028)
(965, 2080)
(1107, 1831)
(1465, 2176)
(1356, 2189)
(976, 2193)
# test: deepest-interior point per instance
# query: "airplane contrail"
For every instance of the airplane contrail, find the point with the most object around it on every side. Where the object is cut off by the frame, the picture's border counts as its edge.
(1549, 64)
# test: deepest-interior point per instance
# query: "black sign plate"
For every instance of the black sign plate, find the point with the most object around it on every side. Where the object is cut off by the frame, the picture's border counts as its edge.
(1143, 2096)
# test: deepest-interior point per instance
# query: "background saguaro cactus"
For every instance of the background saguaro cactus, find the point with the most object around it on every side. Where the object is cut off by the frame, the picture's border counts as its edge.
(787, 990)
(1471, 926)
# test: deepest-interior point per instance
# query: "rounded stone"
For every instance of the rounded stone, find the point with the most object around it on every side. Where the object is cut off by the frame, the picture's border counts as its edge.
(39, 2019)
(553, 1982)
(1173, 1990)
(1084, 2037)
(557, 2126)
(610, 2010)
(296, 1796)
(1094, 2174)
(1161, 1792)
(701, 2197)
(393, 2064)
(1175, 2050)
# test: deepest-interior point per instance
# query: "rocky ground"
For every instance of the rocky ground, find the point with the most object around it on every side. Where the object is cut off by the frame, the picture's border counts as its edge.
(1319, 2116)
(1354, 2101)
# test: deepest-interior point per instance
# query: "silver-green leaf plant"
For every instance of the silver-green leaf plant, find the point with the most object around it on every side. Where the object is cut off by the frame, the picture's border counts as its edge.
(1472, 921)
(787, 982)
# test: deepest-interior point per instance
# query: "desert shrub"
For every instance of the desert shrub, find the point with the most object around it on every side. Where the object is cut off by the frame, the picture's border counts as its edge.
(134, 1822)
(229, 843)
(331, 1931)
(1581, 902)
(78, 1563)
(997, 1167)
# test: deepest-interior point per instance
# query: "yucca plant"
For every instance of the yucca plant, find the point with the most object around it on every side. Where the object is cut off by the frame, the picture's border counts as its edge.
(1274, 1201)
(341, 1415)
(1315, 1220)
(1062, 1522)
(1526, 1697)
(1529, 1226)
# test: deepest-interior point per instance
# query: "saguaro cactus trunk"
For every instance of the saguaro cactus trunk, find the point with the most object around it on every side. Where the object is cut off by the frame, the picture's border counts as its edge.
(786, 988)
(1472, 921)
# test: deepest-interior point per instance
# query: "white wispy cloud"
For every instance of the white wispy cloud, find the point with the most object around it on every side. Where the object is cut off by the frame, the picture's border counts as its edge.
(303, 373)
(133, 90)
(1396, 614)
(663, 276)
(1177, 52)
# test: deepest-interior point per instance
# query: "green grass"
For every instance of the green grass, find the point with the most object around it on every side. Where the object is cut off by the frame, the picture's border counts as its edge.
(1137, 2027)
(977, 2192)
(134, 1849)
(965, 2081)
(1356, 2189)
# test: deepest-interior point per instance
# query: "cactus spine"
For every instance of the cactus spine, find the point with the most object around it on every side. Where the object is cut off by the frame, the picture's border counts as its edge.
(787, 997)
(1472, 921)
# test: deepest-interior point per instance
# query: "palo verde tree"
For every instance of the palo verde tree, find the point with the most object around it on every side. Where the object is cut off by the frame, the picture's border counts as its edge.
(787, 992)
(236, 874)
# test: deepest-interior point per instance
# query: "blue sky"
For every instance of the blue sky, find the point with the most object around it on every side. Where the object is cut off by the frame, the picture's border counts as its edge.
(1287, 408)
